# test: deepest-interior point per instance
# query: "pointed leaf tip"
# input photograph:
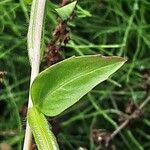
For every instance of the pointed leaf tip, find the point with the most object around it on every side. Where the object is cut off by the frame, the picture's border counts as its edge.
(66, 11)
(63, 84)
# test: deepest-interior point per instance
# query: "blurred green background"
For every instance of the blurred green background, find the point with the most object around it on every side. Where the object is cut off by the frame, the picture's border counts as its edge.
(107, 27)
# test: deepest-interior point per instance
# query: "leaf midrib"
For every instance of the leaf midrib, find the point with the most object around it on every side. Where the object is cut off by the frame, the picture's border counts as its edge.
(74, 78)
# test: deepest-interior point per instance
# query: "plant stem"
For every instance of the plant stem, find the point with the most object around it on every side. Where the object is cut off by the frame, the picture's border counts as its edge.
(34, 43)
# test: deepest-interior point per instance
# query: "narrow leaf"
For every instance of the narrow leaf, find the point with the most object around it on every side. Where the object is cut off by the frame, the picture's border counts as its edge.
(44, 138)
(66, 11)
(63, 84)
(82, 12)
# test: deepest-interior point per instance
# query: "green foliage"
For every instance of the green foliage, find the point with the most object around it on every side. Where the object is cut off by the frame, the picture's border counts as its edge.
(27, 2)
(66, 11)
(82, 12)
(63, 84)
(43, 135)
(105, 32)
(1, 27)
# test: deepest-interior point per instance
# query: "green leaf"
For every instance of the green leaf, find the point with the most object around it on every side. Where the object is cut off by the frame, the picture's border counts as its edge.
(66, 11)
(63, 84)
(43, 136)
(82, 13)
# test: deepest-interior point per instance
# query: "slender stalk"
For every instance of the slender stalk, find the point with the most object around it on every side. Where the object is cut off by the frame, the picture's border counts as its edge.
(34, 43)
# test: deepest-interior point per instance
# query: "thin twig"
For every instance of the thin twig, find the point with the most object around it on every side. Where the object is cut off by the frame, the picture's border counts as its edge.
(147, 100)
(124, 124)
(134, 115)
